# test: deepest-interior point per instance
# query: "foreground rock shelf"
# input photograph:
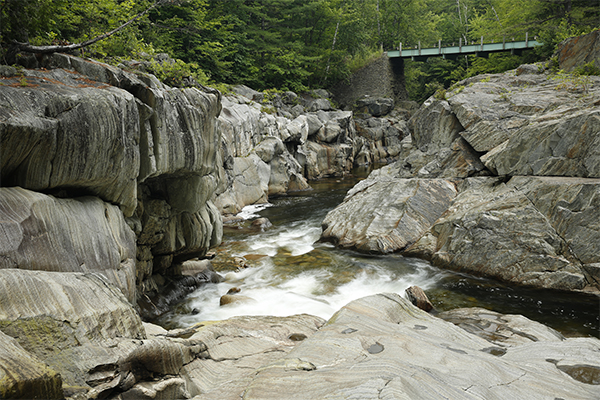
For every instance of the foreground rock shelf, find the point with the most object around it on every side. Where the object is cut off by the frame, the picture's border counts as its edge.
(383, 347)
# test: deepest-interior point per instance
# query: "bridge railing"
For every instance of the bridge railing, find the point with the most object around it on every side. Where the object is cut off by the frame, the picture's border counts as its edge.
(462, 47)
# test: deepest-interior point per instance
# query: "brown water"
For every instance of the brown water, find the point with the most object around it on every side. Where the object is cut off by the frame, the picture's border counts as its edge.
(291, 273)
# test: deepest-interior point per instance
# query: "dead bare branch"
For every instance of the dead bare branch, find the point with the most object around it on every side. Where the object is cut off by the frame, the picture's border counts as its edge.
(74, 46)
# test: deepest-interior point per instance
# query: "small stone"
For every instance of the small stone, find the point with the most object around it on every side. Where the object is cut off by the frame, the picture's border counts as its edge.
(417, 296)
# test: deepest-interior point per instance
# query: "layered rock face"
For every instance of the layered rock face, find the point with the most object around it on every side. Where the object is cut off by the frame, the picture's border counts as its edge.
(119, 157)
(518, 153)
(273, 145)
(107, 180)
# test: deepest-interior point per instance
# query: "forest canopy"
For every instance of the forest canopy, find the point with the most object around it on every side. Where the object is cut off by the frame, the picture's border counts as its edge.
(296, 44)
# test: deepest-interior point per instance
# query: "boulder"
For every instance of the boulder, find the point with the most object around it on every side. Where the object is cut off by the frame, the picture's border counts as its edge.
(381, 346)
(579, 50)
(384, 214)
(497, 230)
(321, 160)
(434, 125)
(83, 234)
(376, 106)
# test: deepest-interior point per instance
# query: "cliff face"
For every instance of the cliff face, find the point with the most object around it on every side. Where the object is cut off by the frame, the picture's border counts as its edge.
(82, 140)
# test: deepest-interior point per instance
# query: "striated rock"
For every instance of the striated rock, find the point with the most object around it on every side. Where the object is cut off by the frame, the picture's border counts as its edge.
(239, 347)
(535, 229)
(81, 128)
(578, 51)
(384, 214)
(495, 229)
(532, 124)
(78, 312)
(23, 376)
(434, 125)
(383, 347)
(563, 143)
(65, 132)
(41, 232)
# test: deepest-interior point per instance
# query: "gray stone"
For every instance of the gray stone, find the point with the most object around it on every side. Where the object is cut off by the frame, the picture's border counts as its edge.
(496, 230)
(532, 124)
(385, 214)
(376, 106)
(69, 134)
(23, 376)
(394, 350)
(238, 348)
(85, 234)
(434, 125)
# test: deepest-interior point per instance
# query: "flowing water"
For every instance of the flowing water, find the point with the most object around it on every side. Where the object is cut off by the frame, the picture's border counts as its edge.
(291, 272)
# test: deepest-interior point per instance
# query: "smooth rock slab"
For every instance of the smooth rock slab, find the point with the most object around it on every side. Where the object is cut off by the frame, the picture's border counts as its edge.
(239, 347)
(495, 230)
(41, 232)
(384, 214)
(422, 357)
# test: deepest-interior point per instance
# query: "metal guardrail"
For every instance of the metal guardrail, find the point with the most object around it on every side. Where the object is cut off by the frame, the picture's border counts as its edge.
(481, 49)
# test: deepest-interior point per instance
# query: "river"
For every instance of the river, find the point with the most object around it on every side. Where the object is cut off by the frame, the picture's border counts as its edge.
(291, 272)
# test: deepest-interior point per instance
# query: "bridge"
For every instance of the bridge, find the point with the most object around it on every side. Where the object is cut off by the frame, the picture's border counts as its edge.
(480, 49)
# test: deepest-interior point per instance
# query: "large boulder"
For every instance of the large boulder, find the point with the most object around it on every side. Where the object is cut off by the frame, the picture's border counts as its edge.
(383, 347)
(580, 50)
(498, 230)
(384, 214)
(85, 234)
(376, 106)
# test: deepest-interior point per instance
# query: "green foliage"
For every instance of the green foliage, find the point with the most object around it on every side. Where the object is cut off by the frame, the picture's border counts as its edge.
(571, 82)
(587, 69)
(298, 44)
(175, 73)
